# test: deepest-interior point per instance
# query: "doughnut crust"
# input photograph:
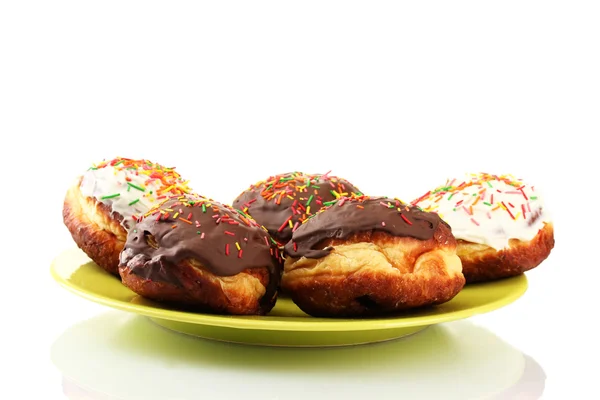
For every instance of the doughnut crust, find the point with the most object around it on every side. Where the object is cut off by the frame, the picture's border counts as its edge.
(375, 273)
(193, 286)
(484, 263)
(95, 230)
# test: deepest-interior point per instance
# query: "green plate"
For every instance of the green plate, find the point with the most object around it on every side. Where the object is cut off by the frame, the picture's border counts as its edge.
(286, 324)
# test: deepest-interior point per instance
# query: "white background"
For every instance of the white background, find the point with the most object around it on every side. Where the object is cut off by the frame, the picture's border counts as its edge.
(394, 97)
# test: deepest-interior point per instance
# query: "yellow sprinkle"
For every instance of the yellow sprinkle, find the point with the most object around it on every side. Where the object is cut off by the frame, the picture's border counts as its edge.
(166, 189)
(336, 194)
(290, 223)
(518, 214)
(175, 216)
(290, 197)
(308, 210)
(237, 245)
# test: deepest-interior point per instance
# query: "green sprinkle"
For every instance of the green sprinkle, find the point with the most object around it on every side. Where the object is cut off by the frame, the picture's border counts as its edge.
(358, 194)
(133, 202)
(308, 183)
(328, 203)
(203, 208)
(449, 197)
(136, 186)
(533, 197)
(487, 204)
(489, 184)
(317, 187)
(474, 194)
(198, 232)
(442, 189)
(93, 168)
(120, 162)
(309, 200)
(151, 191)
(110, 196)
(454, 209)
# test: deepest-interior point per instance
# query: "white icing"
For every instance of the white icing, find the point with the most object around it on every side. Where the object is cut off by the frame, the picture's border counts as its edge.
(107, 181)
(475, 216)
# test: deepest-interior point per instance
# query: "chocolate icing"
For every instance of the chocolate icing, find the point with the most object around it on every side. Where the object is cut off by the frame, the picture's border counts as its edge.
(361, 214)
(193, 227)
(268, 202)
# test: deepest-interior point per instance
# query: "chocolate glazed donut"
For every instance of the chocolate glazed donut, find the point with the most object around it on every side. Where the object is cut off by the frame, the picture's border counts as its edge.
(200, 253)
(367, 256)
(282, 202)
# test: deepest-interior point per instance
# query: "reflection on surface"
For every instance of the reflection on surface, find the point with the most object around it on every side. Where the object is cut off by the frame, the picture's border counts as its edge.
(124, 356)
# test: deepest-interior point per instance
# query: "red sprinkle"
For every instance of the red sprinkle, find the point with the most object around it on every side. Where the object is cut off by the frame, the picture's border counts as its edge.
(506, 208)
(405, 219)
(284, 224)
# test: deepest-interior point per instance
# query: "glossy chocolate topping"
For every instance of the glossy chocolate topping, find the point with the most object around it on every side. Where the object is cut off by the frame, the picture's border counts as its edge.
(361, 214)
(223, 240)
(283, 202)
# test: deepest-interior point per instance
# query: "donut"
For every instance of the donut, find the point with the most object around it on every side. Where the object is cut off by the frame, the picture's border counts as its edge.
(199, 254)
(282, 202)
(105, 201)
(500, 223)
(365, 256)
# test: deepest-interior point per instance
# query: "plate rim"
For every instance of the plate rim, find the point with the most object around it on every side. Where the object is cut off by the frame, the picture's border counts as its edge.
(261, 323)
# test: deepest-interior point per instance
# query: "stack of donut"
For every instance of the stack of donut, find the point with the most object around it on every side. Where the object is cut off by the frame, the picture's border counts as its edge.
(314, 237)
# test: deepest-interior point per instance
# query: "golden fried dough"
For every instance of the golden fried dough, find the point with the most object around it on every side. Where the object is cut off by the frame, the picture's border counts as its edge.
(484, 263)
(93, 229)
